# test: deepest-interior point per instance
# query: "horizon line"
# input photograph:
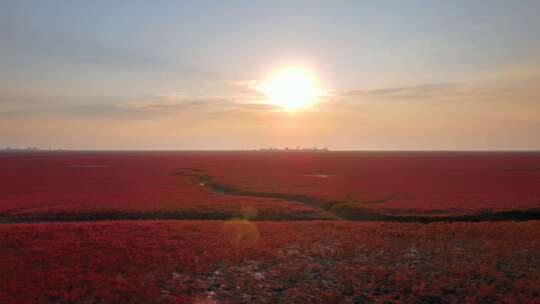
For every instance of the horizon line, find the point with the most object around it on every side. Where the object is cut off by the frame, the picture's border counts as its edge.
(59, 150)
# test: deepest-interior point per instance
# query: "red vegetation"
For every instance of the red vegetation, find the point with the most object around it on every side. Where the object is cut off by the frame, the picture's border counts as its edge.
(110, 185)
(396, 183)
(93, 186)
(269, 262)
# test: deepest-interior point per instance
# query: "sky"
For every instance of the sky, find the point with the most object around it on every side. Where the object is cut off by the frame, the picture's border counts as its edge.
(180, 75)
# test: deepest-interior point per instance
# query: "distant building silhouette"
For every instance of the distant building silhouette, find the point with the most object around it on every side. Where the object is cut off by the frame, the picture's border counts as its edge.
(296, 149)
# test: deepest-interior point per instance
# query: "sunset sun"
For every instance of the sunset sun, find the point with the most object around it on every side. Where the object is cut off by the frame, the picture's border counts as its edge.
(291, 89)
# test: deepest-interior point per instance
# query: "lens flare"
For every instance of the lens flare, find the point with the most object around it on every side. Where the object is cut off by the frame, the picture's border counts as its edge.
(241, 232)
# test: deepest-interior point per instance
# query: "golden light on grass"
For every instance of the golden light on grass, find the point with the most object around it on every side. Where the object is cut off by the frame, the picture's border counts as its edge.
(291, 89)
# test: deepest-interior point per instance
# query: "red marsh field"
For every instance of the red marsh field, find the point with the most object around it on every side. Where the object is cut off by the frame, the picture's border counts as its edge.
(261, 227)
(271, 186)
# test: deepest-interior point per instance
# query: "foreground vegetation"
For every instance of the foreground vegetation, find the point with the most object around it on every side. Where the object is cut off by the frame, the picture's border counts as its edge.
(270, 262)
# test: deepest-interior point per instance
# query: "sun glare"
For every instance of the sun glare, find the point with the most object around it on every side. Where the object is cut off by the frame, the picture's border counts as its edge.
(291, 89)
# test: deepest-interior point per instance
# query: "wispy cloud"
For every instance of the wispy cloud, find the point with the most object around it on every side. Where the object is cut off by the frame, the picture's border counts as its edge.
(59, 47)
(407, 92)
(182, 101)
